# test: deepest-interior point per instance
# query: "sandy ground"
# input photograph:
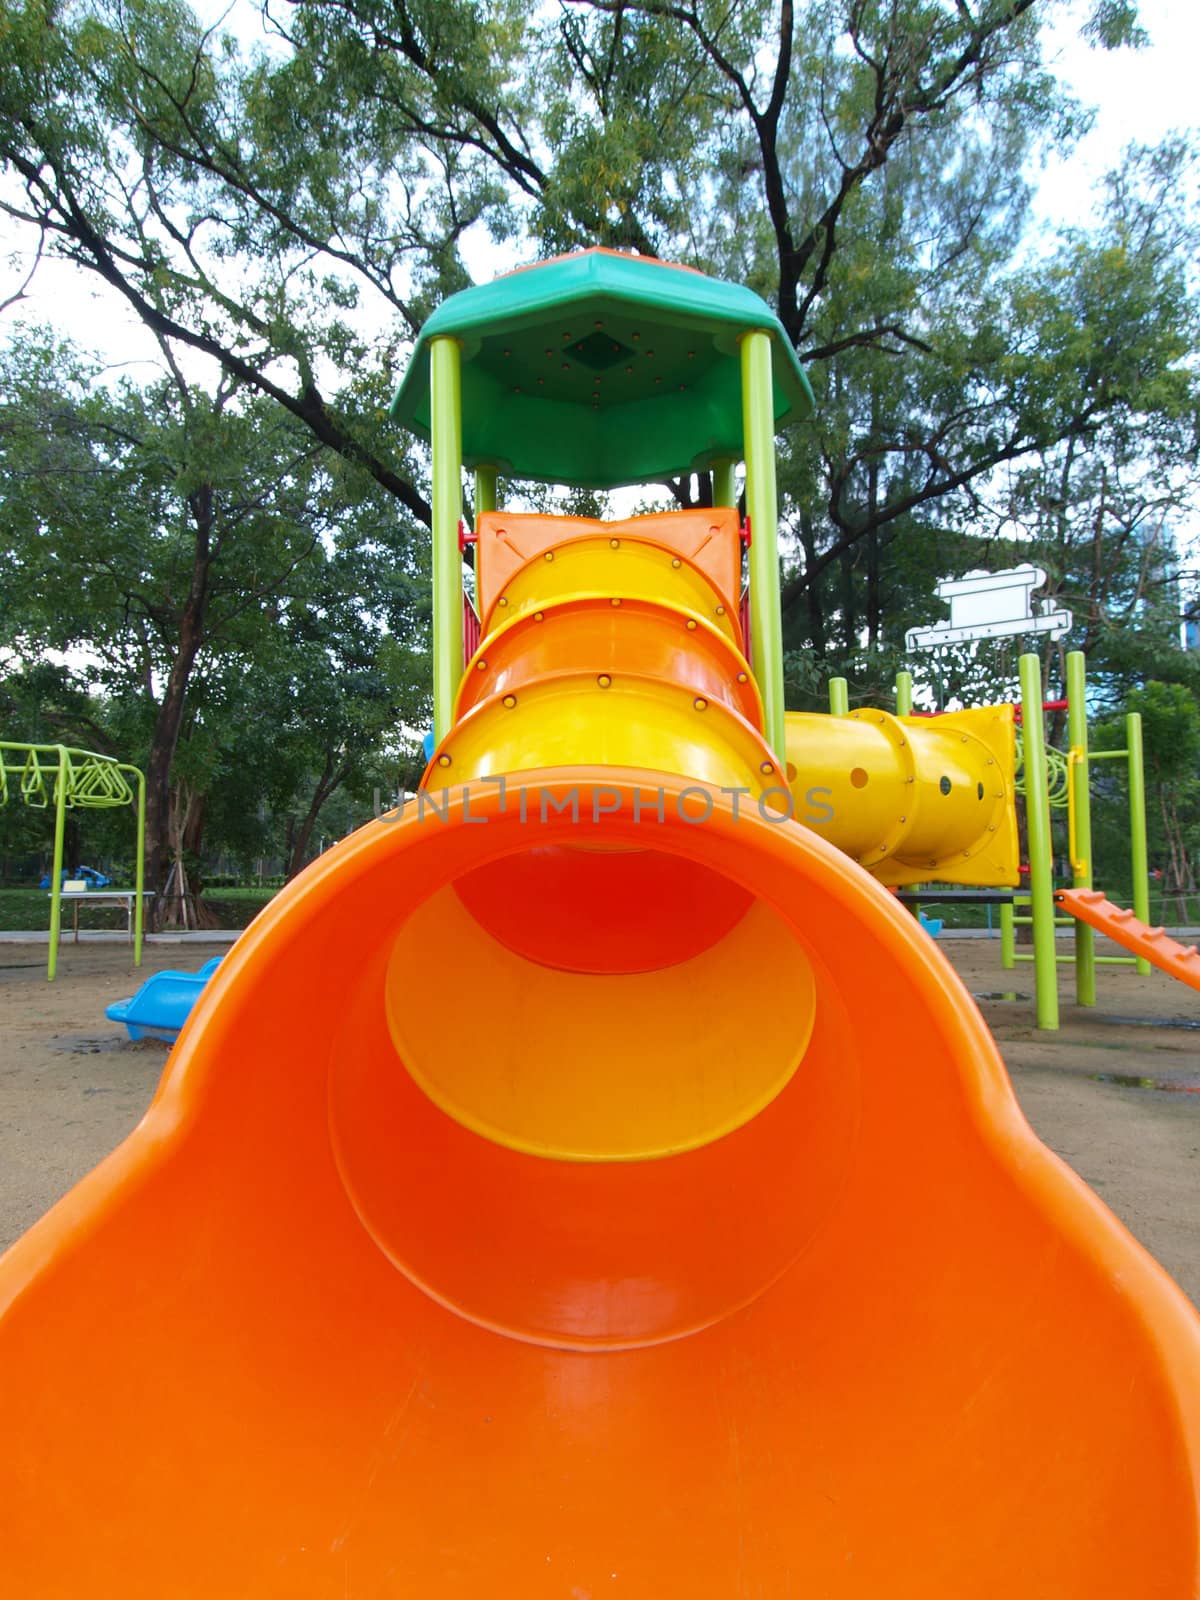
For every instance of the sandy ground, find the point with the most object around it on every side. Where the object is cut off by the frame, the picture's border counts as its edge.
(1116, 1092)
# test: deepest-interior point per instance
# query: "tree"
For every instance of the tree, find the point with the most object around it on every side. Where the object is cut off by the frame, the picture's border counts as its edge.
(170, 533)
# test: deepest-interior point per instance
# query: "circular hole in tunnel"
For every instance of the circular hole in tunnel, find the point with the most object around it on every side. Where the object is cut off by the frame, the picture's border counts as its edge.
(619, 985)
(858, 777)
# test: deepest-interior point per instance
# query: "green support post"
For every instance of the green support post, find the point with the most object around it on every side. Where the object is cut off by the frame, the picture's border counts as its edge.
(60, 823)
(1041, 858)
(839, 697)
(1138, 850)
(724, 483)
(1008, 937)
(140, 869)
(485, 492)
(1079, 811)
(766, 622)
(445, 383)
(904, 694)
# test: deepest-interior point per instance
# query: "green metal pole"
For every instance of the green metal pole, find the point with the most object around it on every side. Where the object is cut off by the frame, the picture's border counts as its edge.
(140, 869)
(724, 483)
(839, 697)
(1080, 802)
(1139, 856)
(445, 383)
(1008, 941)
(766, 622)
(1041, 859)
(60, 822)
(904, 701)
(485, 492)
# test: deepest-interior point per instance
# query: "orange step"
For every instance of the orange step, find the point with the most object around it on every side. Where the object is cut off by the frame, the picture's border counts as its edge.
(1180, 961)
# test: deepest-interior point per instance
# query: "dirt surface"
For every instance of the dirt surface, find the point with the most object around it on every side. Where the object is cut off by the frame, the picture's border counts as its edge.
(1116, 1092)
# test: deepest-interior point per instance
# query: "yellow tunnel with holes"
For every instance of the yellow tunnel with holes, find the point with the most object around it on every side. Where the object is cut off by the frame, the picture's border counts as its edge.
(912, 799)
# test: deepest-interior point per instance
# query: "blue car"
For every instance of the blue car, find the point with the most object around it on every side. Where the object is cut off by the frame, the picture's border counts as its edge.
(93, 879)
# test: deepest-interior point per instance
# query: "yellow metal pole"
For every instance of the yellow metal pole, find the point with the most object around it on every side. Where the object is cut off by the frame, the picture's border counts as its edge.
(1041, 861)
(1080, 816)
(445, 382)
(485, 492)
(140, 869)
(724, 483)
(1138, 850)
(766, 622)
(60, 821)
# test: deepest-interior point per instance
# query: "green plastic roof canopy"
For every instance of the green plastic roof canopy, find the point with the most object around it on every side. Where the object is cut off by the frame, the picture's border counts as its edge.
(600, 369)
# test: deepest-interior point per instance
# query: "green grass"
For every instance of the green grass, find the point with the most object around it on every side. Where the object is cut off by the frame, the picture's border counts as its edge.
(28, 910)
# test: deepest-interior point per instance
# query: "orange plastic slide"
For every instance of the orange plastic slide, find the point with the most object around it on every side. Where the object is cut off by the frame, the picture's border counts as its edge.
(331, 1323)
(1180, 961)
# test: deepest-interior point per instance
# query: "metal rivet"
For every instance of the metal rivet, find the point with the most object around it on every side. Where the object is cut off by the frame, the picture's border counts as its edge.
(676, 562)
(691, 355)
(658, 380)
(649, 352)
(766, 766)
(510, 700)
(549, 352)
(516, 388)
(481, 666)
(604, 680)
(614, 601)
(503, 600)
(508, 352)
(720, 611)
(539, 616)
(903, 819)
(443, 761)
(741, 677)
(549, 556)
(615, 543)
(636, 336)
(700, 703)
(566, 366)
(598, 323)
(691, 623)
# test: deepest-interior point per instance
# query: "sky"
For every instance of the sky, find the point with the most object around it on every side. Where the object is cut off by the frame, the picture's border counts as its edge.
(1140, 95)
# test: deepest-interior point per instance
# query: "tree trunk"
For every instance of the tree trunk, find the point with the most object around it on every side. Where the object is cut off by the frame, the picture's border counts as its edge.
(816, 612)
(169, 720)
(328, 783)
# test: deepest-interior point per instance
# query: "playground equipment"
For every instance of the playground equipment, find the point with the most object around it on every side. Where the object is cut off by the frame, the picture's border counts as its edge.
(1051, 781)
(587, 1180)
(910, 799)
(163, 1004)
(74, 780)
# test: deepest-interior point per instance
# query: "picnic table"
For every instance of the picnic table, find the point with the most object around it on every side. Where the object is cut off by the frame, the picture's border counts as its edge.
(124, 897)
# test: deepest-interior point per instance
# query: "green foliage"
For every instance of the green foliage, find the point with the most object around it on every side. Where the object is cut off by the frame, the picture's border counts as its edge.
(288, 216)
